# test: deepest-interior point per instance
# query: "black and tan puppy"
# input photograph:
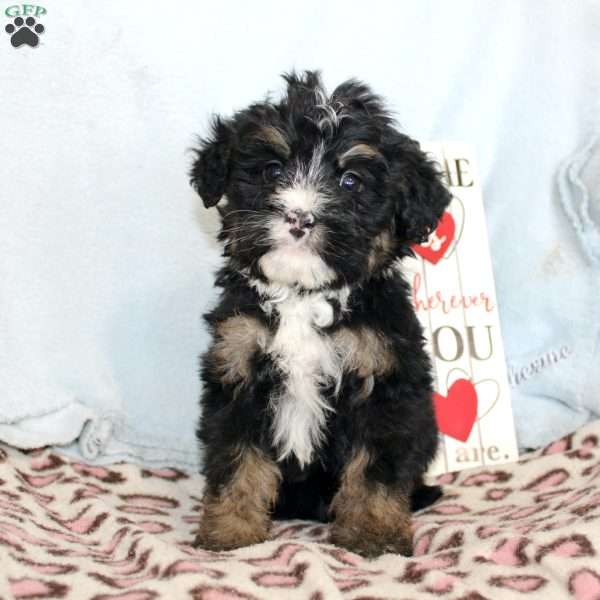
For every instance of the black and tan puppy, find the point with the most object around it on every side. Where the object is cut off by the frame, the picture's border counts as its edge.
(317, 398)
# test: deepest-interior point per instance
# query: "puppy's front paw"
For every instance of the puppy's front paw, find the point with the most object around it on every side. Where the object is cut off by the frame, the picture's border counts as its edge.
(371, 545)
(228, 533)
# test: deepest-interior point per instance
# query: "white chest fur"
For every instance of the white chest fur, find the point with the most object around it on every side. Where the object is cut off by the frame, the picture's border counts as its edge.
(309, 362)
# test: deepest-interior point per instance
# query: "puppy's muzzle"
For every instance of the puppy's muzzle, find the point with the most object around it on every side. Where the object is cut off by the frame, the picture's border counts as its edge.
(301, 221)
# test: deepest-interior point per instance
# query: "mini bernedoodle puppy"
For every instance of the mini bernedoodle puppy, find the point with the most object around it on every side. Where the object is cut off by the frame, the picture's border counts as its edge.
(317, 399)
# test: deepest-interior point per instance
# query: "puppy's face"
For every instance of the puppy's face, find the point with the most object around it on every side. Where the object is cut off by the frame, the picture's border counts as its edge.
(317, 192)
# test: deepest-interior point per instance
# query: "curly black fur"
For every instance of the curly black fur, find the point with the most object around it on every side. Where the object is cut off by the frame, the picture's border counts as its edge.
(362, 233)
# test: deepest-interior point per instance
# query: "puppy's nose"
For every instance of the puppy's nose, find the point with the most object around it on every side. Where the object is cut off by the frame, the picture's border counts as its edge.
(300, 219)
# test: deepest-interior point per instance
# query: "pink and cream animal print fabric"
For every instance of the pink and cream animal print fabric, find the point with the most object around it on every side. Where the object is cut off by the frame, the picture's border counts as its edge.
(526, 530)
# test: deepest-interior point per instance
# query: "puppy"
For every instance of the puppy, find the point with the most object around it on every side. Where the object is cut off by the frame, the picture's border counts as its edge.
(317, 399)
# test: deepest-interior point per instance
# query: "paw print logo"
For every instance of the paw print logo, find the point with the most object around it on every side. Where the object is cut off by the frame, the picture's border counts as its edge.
(24, 32)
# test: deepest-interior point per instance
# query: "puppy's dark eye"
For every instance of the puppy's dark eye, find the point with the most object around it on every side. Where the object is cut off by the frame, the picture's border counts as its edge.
(272, 171)
(351, 181)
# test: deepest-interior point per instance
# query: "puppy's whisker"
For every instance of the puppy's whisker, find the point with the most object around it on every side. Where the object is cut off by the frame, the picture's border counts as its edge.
(241, 210)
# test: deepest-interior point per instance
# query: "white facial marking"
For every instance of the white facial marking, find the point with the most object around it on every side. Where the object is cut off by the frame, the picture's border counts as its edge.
(293, 261)
(303, 197)
(314, 171)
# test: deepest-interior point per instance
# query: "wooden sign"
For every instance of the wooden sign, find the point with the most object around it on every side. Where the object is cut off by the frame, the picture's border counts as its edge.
(454, 296)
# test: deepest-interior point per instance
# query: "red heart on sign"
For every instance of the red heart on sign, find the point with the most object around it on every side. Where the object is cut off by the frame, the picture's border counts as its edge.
(456, 412)
(439, 240)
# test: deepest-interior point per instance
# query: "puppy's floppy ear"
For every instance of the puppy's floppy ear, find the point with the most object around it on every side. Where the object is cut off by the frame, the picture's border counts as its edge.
(416, 183)
(209, 174)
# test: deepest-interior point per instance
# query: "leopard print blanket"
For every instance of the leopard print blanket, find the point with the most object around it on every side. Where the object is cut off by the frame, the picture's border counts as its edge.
(70, 530)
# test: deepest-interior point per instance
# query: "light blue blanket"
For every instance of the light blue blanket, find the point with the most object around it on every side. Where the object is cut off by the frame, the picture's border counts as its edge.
(106, 256)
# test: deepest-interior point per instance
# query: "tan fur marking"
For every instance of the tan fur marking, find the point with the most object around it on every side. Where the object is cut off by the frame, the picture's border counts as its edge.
(370, 518)
(364, 351)
(358, 151)
(239, 513)
(237, 339)
(274, 137)
(381, 251)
